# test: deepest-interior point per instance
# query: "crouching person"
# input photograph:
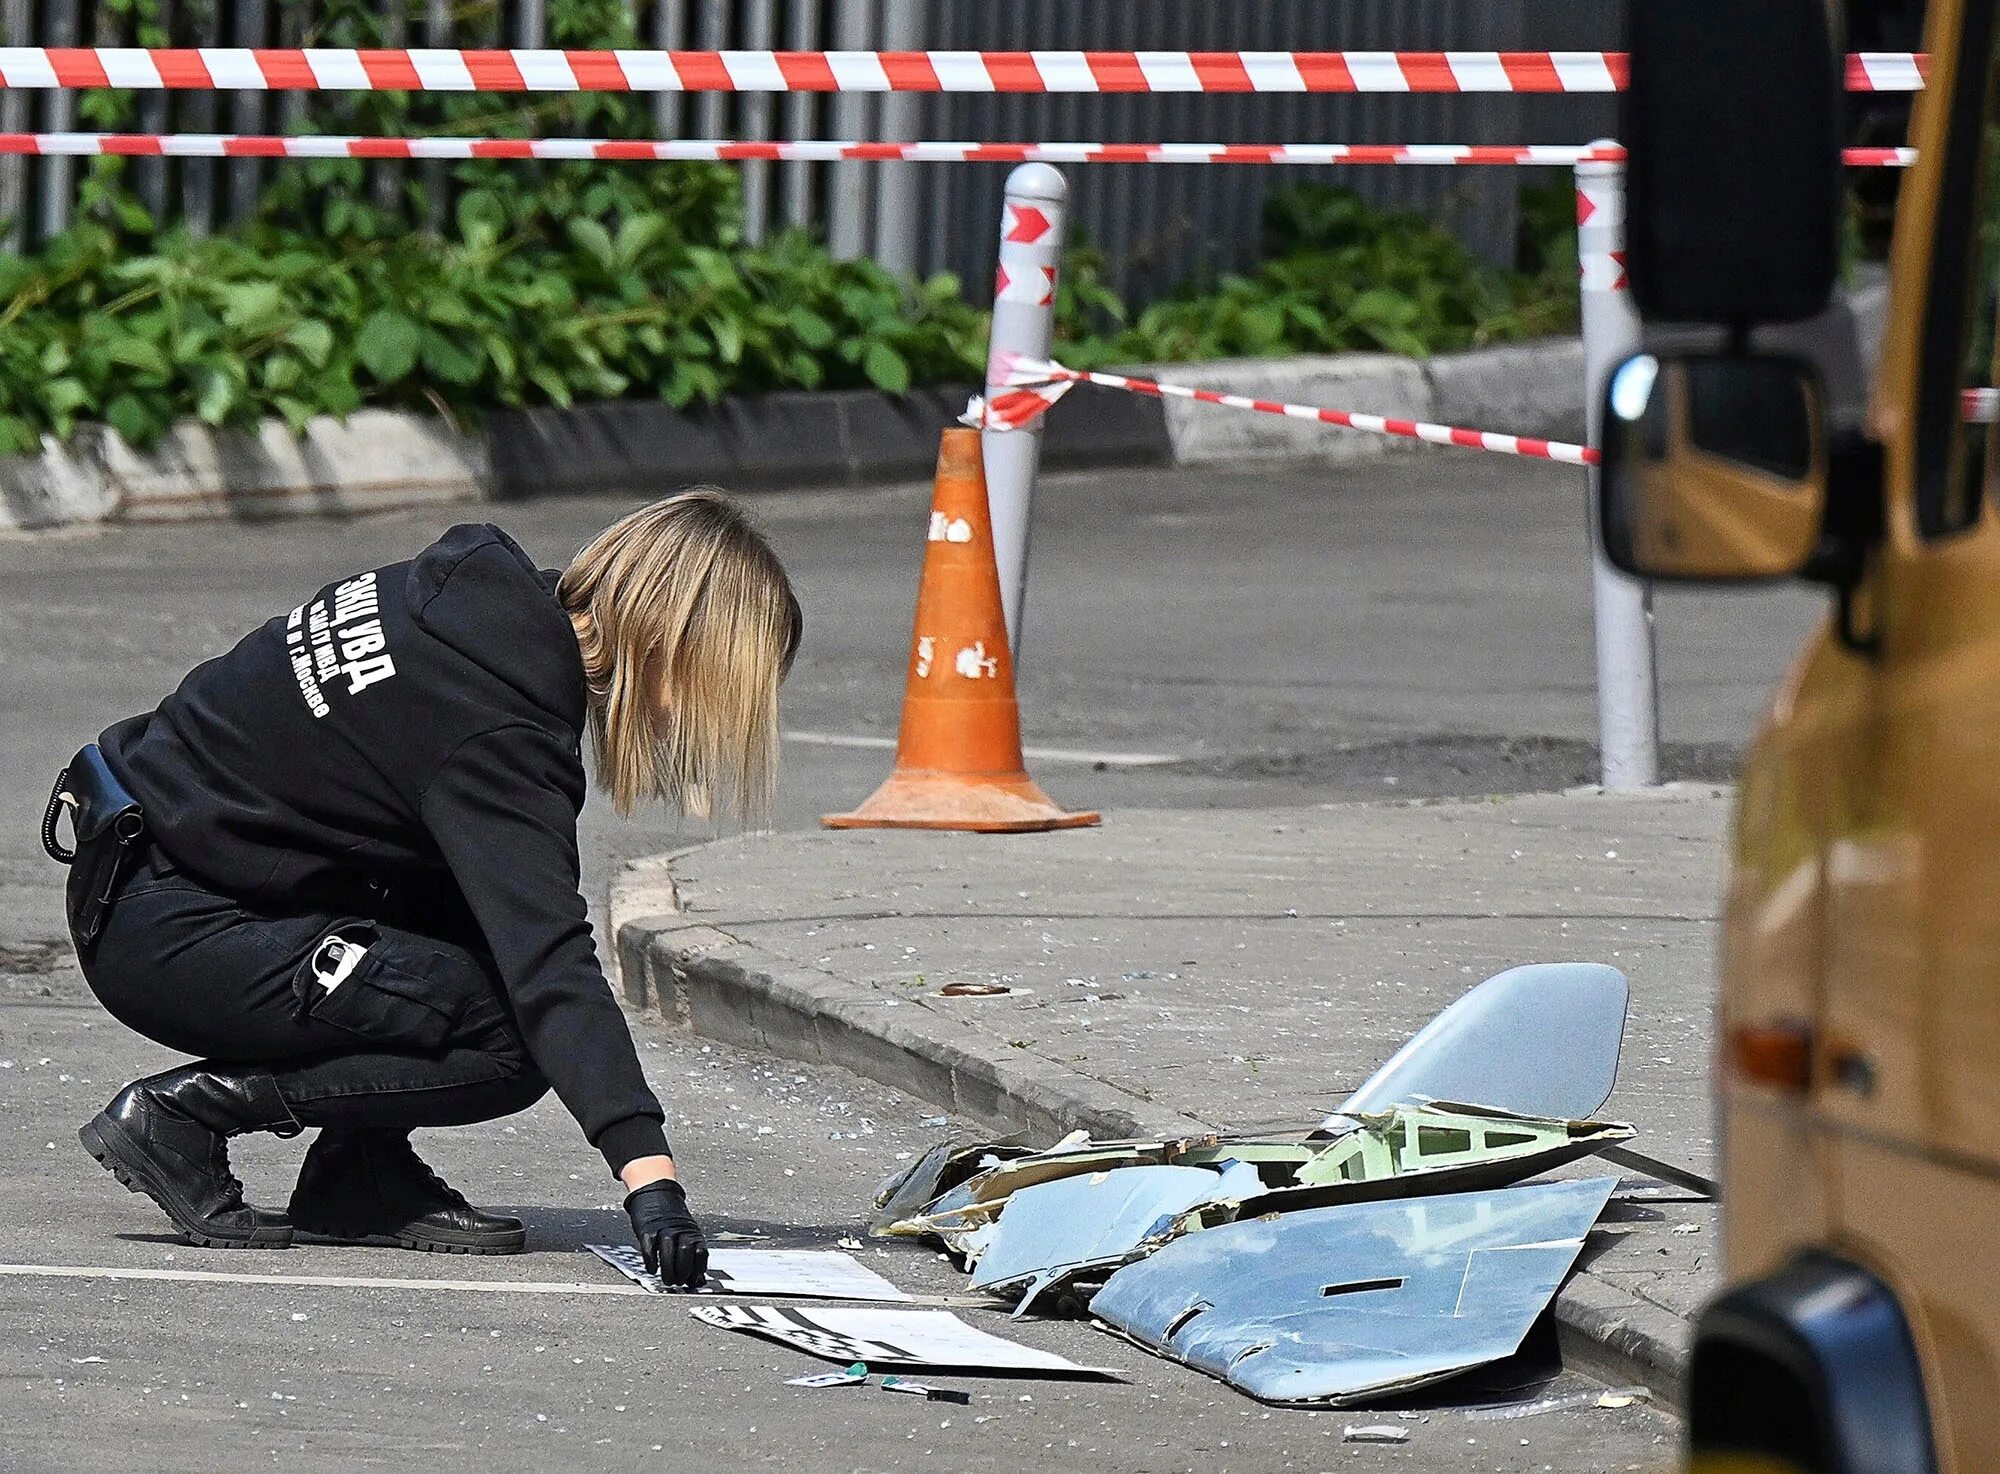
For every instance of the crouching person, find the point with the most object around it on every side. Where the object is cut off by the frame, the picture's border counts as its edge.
(339, 865)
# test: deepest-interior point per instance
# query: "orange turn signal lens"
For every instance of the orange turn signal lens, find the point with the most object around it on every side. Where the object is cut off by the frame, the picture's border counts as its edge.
(1778, 1055)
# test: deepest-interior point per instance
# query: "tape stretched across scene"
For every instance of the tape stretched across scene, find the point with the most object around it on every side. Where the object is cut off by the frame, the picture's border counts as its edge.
(1033, 385)
(235, 68)
(817, 150)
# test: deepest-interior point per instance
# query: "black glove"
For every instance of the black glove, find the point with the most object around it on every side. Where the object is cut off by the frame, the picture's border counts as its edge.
(667, 1235)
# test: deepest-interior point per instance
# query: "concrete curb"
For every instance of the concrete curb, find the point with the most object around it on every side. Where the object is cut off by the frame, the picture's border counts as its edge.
(379, 459)
(372, 461)
(697, 978)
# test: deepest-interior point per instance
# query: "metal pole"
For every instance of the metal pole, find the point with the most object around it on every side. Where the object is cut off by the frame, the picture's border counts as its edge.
(795, 183)
(437, 184)
(709, 107)
(57, 186)
(1024, 320)
(853, 185)
(17, 19)
(1628, 720)
(760, 32)
(899, 237)
(669, 34)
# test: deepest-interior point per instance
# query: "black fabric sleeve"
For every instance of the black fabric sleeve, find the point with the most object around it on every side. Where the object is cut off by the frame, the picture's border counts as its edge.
(502, 810)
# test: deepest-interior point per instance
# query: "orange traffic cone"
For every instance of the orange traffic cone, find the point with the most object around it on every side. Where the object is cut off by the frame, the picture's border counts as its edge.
(958, 753)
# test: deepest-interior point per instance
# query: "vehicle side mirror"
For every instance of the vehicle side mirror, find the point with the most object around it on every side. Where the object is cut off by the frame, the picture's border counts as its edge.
(1732, 119)
(1713, 467)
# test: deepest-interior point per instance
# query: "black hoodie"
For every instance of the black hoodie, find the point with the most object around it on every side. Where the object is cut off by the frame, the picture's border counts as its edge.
(423, 717)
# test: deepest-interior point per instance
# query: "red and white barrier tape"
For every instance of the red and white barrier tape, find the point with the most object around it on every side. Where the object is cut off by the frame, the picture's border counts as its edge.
(229, 68)
(1035, 384)
(645, 150)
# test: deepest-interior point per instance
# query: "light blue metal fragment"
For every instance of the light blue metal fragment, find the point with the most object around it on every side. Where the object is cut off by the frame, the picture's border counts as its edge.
(1055, 1230)
(1540, 1040)
(1338, 1305)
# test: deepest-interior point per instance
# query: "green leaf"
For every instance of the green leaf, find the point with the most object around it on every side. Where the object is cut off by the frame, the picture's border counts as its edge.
(18, 436)
(313, 339)
(64, 396)
(336, 394)
(1378, 307)
(810, 328)
(387, 345)
(214, 394)
(298, 413)
(638, 235)
(251, 307)
(714, 268)
(281, 371)
(595, 241)
(728, 338)
(133, 352)
(129, 416)
(450, 360)
(887, 369)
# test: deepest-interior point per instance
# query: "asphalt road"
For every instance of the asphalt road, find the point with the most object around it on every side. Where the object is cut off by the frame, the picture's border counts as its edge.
(1420, 626)
(192, 1376)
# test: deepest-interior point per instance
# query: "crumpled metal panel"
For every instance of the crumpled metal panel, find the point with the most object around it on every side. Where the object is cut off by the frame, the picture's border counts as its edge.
(978, 1199)
(945, 1166)
(1336, 1305)
(1540, 1040)
(1055, 1231)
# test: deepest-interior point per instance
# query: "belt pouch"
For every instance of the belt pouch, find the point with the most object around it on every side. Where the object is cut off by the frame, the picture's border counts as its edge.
(109, 824)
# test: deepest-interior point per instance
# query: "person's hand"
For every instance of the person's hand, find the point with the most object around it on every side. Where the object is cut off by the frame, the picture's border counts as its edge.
(668, 1237)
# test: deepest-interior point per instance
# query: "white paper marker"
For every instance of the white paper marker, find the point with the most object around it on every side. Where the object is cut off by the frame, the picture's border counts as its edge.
(819, 1274)
(897, 1338)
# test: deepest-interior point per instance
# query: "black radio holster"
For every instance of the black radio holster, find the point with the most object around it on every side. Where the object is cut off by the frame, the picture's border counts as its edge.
(108, 824)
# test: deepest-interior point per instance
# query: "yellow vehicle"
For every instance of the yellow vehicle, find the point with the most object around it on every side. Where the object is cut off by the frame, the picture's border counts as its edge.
(1858, 1033)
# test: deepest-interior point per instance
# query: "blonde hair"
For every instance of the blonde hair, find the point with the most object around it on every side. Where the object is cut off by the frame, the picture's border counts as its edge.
(687, 624)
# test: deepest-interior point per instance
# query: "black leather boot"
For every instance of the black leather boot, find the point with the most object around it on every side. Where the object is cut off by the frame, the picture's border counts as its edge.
(359, 1185)
(167, 1137)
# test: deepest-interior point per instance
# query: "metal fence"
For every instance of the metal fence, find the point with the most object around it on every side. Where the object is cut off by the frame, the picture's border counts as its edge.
(1157, 224)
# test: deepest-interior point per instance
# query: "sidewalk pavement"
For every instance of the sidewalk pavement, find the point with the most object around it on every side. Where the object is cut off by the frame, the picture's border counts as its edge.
(1233, 970)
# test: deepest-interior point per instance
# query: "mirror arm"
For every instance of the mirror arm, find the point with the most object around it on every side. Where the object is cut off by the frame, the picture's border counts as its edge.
(1866, 644)
(1853, 528)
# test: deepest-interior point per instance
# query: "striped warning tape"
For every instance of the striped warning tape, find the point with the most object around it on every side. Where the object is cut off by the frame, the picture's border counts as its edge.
(337, 70)
(1035, 384)
(330, 146)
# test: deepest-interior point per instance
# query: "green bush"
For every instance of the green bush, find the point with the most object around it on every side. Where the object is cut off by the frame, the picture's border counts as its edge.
(602, 281)
(531, 299)
(1345, 276)
(544, 284)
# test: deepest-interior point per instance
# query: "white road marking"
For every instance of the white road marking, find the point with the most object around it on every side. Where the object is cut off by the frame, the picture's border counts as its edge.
(365, 1282)
(1084, 757)
(312, 1281)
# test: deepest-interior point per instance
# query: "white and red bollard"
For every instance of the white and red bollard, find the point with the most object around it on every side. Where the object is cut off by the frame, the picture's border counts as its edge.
(1032, 223)
(1628, 720)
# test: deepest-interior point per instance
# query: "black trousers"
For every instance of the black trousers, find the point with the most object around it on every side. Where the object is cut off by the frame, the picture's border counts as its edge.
(420, 1034)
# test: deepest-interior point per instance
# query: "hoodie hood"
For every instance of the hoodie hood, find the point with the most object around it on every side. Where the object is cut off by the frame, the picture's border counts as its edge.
(476, 591)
